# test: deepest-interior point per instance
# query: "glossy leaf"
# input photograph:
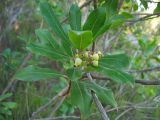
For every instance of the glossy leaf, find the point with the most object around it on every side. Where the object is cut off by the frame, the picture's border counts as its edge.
(81, 98)
(9, 105)
(117, 61)
(104, 94)
(32, 73)
(111, 10)
(75, 17)
(80, 39)
(103, 29)
(48, 52)
(46, 37)
(144, 3)
(115, 74)
(95, 20)
(113, 21)
(118, 20)
(74, 74)
(135, 7)
(53, 22)
(5, 96)
(157, 9)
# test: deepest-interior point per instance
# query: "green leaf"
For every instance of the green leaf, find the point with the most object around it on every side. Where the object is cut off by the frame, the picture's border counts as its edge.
(103, 29)
(127, 1)
(1, 116)
(6, 112)
(111, 10)
(157, 9)
(9, 105)
(46, 37)
(75, 17)
(74, 74)
(104, 94)
(115, 61)
(32, 73)
(115, 74)
(48, 52)
(3, 97)
(118, 20)
(80, 39)
(95, 20)
(144, 3)
(80, 98)
(135, 7)
(52, 21)
(113, 21)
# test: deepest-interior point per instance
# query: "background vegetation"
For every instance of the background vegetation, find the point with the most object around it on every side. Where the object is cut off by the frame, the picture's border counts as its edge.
(138, 37)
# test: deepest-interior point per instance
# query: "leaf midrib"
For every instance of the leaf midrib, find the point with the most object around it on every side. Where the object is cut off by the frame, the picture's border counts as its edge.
(117, 73)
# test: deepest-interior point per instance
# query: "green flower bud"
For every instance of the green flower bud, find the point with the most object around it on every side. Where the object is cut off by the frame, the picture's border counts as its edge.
(95, 63)
(99, 53)
(86, 54)
(76, 55)
(95, 56)
(78, 61)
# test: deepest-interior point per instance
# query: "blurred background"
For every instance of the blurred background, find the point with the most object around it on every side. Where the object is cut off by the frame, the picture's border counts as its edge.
(139, 38)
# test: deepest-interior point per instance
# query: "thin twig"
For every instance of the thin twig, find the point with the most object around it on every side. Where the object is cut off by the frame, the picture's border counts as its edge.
(148, 82)
(97, 102)
(82, 6)
(142, 82)
(115, 37)
(157, 68)
(151, 1)
(129, 109)
(85, 4)
(95, 4)
(142, 13)
(95, 7)
(149, 16)
(120, 5)
(60, 95)
(12, 80)
(57, 105)
(61, 118)
(42, 108)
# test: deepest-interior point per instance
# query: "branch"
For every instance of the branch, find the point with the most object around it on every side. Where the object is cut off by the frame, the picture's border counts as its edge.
(148, 82)
(127, 110)
(95, 4)
(145, 70)
(57, 105)
(97, 102)
(12, 80)
(149, 16)
(95, 7)
(143, 82)
(42, 108)
(61, 118)
(82, 6)
(116, 35)
(85, 4)
(120, 5)
(62, 94)
(151, 1)
(138, 13)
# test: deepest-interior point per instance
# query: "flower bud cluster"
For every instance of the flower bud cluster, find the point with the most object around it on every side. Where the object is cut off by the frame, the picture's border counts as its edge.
(87, 58)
